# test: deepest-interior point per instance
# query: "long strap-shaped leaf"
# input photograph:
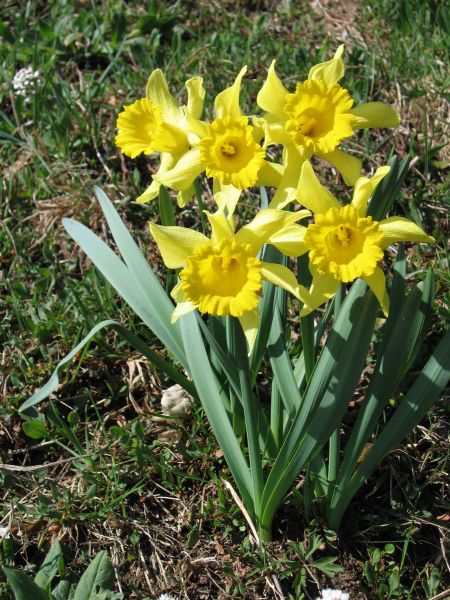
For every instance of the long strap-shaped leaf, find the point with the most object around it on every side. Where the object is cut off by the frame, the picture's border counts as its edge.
(152, 290)
(343, 359)
(135, 341)
(397, 350)
(208, 389)
(127, 285)
(281, 365)
(424, 393)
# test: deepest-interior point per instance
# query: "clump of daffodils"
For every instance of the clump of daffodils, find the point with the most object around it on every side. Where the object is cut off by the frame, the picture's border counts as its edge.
(222, 275)
(25, 82)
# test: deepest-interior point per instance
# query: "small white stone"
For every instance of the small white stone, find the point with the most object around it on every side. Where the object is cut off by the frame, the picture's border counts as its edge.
(329, 594)
(176, 402)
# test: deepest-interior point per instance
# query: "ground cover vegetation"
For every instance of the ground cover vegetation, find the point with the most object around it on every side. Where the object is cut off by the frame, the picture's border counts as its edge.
(118, 475)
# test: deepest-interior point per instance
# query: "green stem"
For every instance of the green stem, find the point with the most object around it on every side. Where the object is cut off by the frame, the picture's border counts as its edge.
(201, 204)
(251, 416)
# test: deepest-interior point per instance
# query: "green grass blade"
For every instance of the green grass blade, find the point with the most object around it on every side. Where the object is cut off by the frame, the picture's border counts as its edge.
(208, 389)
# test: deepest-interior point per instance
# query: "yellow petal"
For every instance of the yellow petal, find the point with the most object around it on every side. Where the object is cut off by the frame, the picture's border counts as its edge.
(220, 226)
(226, 103)
(290, 240)
(250, 324)
(270, 174)
(266, 223)
(226, 196)
(312, 194)
(330, 71)
(323, 287)
(196, 96)
(176, 243)
(183, 308)
(364, 188)
(182, 175)
(377, 283)
(375, 114)
(287, 188)
(271, 96)
(281, 276)
(185, 196)
(158, 92)
(197, 128)
(348, 166)
(399, 229)
(167, 162)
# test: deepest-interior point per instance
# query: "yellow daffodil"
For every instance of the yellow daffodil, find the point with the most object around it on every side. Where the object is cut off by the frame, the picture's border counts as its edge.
(223, 275)
(344, 243)
(157, 123)
(317, 117)
(228, 149)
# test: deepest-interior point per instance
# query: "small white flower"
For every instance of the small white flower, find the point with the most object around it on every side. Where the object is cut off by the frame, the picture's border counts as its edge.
(330, 594)
(166, 597)
(26, 81)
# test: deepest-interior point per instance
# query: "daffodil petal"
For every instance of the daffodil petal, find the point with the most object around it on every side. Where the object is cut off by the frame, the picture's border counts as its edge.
(182, 175)
(399, 229)
(185, 196)
(323, 287)
(197, 128)
(331, 70)
(183, 308)
(226, 196)
(176, 243)
(312, 194)
(348, 166)
(220, 227)
(270, 174)
(287, 188)
(226, 103)
(364, 188)
(250, 324)
(377, 283)
(271, 96)
(281, 276)
(375, 114)
(158, 92)
(167, 162)
(196, 96)
(266, 223)
(290, 240)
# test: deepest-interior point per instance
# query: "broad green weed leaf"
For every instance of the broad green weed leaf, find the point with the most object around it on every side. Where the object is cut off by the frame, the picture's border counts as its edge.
(50, 567)
(99, 576)
(24, 587)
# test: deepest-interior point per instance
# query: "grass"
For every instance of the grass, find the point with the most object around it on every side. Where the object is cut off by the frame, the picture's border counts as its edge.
(150, 491)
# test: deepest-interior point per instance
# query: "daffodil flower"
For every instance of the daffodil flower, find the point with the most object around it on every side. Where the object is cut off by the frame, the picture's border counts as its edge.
(317, 117)
(228, 149)
(157, 123)
(223, 275)
(344, 243)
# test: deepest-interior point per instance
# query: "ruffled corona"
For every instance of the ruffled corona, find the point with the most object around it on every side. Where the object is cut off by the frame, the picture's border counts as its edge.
(142, 128)
(318, 116)
(222, 279)
(344, 245)
(230, 153)
(139, 126)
